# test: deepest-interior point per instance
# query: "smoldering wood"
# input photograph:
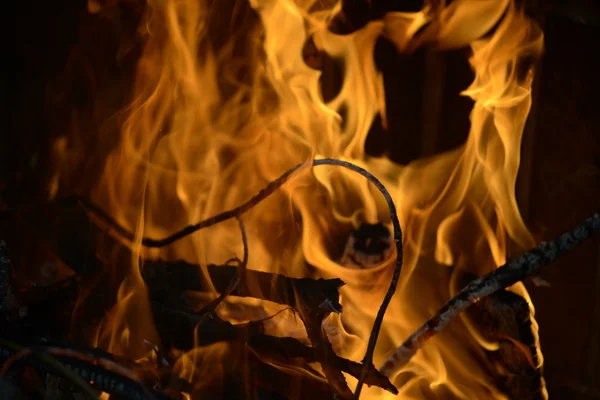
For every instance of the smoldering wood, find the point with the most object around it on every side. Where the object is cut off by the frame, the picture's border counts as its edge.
(567, 246)
(314, 299)
(525, 266)
(312, 306)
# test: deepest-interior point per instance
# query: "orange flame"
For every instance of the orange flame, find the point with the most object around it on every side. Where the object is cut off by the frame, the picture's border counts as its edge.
(224, 103)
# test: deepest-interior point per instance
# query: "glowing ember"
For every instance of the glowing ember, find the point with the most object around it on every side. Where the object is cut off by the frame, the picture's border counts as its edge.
(224, 102)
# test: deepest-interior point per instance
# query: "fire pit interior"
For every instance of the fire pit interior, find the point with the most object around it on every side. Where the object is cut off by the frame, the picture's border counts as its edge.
(291, 199)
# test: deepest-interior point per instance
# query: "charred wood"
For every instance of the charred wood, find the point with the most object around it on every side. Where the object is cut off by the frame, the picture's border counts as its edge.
(180, 276)
(164, 279)
(312, 309)
(185, 330)
(313, 299)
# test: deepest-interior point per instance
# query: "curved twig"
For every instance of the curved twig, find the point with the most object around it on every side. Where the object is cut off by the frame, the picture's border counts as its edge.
(507, 275)
(263, 194)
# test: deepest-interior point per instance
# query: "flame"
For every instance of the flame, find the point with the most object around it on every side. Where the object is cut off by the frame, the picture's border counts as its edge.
(224, 103)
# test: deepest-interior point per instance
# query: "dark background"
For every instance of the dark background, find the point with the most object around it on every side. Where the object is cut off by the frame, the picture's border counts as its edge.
(49, 83)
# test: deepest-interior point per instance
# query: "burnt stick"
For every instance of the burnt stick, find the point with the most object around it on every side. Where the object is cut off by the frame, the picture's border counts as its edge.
(314, 299)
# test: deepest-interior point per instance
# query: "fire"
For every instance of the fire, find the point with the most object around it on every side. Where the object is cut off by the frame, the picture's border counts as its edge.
(224, 102)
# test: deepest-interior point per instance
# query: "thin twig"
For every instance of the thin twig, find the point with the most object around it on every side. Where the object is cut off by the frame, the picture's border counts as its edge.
(507, 275)
(263, 194)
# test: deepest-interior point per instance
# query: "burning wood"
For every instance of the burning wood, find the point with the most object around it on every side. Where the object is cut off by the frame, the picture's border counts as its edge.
(222, 105)
(525, 266)
(8, 306)
(311, 317)
(295, 293)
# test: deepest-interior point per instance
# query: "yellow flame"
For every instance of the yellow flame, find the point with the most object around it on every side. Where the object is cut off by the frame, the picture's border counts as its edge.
(224, 103)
